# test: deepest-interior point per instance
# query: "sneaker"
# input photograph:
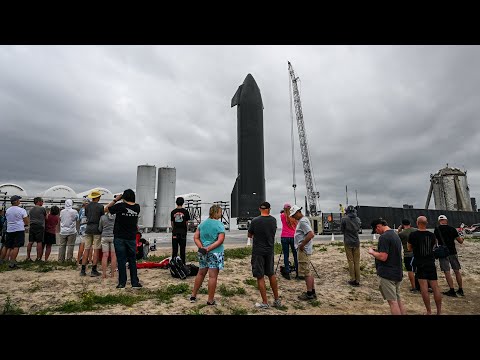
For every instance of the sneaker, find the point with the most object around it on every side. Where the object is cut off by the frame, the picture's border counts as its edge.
(277, 303)
(413, 290)
(299, 277)
(137, 286)
(286, 275)
(13, 266)
(28, 260)
(450, 292)
(120, 286)
(354, 283)
(305, 296)
(460, 292)
(94, 273)
(262, 306)
(211, 303)
(193, 299)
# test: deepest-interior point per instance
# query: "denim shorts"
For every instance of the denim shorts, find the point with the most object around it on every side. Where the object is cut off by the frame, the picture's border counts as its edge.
(211, 260)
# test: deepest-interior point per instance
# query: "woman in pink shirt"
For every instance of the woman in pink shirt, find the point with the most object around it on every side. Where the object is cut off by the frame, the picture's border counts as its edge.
(51, 227)
(289, 225)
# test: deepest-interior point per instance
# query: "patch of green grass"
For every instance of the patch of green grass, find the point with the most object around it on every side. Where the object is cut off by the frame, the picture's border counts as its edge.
(251, 282)
(203, 290)
(10, 308)
(238, 253)
(195, 310)
(336, 243)
(231, 292)
(154, 258)
(298, 306)
(239, 311)
(341, 249)
(315, 303)
(241, 291)
(282, 308)
(323, 248)
(217, 311)
(166, 294)
(90, 301)
(472, 239)
(35, 286)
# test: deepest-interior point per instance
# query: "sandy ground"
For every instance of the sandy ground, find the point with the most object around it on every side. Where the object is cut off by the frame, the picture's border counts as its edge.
(35, 292)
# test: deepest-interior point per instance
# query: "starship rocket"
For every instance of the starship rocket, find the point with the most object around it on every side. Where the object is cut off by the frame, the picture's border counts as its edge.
(249, 190)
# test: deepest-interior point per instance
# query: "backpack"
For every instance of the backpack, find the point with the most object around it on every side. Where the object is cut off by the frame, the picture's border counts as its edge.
(178, 268)
(192, 269)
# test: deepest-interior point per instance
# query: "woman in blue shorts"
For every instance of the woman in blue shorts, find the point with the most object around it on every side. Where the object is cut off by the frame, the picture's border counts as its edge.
(209, 239)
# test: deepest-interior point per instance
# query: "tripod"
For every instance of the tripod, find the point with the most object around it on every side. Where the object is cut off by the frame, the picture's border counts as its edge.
(280, 257)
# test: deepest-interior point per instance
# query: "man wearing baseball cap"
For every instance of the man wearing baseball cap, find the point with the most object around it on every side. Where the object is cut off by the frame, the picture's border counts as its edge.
(93, 212)
(17, 219)
(303, 236)
(262, 229)
(446, 235)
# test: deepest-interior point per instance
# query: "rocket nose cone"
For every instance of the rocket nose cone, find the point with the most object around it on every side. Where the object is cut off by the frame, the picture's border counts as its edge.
(249, 80)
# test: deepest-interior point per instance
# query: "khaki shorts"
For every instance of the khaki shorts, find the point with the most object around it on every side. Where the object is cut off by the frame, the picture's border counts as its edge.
(91, 239)
(107, 244)
(303, 263)
(389, 289)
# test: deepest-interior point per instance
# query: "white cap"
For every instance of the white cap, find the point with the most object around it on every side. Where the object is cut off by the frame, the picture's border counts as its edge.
(294, 209)
(442, 217)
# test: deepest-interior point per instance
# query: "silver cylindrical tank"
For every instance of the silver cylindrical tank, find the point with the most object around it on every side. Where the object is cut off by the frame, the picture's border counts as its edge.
(450, 190)
(145, 194)
(165, 203)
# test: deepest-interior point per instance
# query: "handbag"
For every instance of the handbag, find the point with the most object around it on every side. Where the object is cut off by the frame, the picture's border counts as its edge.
(440, 251)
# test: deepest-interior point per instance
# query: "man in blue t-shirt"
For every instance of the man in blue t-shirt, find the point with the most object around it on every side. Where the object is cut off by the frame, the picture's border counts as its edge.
(388, 261)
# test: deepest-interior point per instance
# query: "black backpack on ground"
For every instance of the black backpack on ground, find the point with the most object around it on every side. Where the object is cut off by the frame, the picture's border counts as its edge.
(192, 269)
(178, 268)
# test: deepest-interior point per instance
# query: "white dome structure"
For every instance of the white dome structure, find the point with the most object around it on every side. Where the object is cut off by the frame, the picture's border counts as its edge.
(13, 189)
(189, 196)
(106, 194)
(60, 191)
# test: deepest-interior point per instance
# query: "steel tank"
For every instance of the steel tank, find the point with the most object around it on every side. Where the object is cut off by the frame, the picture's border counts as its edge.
(450, 190)
(145, 194)
(165, 203)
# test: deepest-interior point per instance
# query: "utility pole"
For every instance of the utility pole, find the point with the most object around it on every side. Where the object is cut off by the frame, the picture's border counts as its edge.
(356, 198)
(346, 195)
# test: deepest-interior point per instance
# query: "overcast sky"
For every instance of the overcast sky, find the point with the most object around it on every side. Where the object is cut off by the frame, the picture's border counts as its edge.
(379, 119)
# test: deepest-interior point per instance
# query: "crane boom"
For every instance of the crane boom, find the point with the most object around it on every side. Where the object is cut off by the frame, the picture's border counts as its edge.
(312, 195)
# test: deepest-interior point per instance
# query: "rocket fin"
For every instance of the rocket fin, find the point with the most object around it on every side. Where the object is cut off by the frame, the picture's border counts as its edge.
(236, 97)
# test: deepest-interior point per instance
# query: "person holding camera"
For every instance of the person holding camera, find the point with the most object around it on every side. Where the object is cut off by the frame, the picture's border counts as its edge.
(124, 232)
(388, 261)
(447, 235)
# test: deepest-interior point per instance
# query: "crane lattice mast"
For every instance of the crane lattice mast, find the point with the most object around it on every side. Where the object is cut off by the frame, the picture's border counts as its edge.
(312, 195)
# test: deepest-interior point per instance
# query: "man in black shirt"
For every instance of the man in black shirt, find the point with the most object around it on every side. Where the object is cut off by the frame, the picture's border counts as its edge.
(421, 242)
(124, 232)
(388, 261)
(446, 235)
(262, 229)
(179, 218)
